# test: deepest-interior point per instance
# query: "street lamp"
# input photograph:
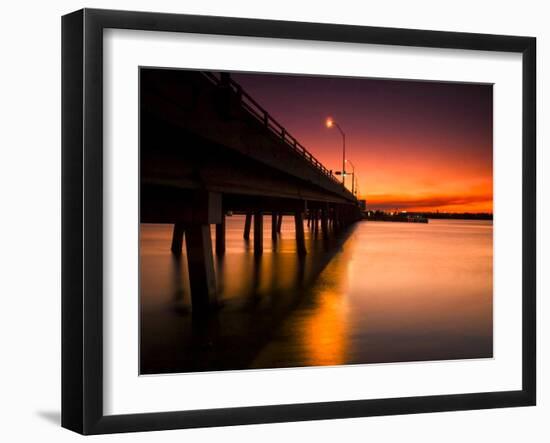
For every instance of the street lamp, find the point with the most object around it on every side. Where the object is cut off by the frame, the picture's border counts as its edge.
(331, 123)
(352, 176)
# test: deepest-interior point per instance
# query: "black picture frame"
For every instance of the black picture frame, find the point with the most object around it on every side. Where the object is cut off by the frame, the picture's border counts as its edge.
(82, 219)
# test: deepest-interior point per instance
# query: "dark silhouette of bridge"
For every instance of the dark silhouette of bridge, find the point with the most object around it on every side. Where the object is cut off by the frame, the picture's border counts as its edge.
(207, 148)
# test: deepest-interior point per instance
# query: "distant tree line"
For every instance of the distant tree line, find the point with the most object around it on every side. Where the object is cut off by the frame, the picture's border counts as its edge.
(438, 214)
(457, 215)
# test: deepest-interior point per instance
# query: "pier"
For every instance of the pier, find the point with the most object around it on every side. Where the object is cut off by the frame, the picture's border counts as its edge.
(208, 148)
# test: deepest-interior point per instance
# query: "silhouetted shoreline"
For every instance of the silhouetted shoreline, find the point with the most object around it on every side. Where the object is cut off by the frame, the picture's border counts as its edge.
(387, 216)
(455, 216)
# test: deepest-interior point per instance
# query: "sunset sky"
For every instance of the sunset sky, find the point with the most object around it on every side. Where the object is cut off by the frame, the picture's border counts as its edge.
(416, 145)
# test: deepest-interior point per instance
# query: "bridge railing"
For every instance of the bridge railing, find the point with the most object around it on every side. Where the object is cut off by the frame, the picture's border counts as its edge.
(258, 112)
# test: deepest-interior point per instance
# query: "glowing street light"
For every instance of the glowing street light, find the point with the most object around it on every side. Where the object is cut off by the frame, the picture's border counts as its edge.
(331, 123)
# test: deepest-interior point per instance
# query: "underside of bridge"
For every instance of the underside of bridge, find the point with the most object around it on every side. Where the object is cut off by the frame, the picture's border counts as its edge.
(206, 148)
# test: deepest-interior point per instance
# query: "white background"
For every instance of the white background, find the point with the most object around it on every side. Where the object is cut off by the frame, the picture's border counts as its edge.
(30, 222)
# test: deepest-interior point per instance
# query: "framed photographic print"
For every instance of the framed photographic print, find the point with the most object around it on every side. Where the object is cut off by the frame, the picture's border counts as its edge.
(269, 221)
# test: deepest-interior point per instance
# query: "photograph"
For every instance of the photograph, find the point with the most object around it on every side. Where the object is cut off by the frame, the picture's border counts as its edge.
(293, 220)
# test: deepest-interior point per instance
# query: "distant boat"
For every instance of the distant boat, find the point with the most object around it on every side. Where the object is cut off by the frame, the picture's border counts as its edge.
(417, 219)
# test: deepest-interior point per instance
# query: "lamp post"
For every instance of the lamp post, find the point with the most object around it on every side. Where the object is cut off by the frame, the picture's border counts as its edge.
(330, 123)
(352, 176)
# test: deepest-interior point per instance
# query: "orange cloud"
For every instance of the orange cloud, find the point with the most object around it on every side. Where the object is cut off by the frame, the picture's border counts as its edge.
(442, 202)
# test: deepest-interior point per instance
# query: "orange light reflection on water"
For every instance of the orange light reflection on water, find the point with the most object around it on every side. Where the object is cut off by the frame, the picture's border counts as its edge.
(391, 292)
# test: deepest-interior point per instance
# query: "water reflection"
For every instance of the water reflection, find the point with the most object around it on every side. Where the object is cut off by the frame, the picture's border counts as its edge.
(382, 292)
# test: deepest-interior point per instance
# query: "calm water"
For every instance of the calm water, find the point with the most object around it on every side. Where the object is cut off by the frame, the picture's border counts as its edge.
(381, 292)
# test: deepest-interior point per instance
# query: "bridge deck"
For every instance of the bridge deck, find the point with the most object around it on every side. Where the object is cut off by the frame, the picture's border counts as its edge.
(201, 131)
(206, 147)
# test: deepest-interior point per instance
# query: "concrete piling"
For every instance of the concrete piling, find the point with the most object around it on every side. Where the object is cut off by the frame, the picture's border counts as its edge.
(177, 238)
(220, 236)
(247, 223)
(200, 262)
(258, 233)
(300, 237)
